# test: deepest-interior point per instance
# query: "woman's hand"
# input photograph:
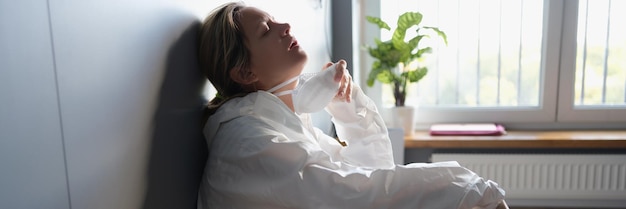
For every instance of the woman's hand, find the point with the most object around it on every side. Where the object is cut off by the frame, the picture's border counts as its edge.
(345, 89)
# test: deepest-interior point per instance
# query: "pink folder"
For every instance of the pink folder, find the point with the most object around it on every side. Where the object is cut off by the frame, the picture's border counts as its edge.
(467, 129)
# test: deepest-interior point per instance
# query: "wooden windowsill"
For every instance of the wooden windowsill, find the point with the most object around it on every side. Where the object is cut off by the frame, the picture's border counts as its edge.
(523, 139)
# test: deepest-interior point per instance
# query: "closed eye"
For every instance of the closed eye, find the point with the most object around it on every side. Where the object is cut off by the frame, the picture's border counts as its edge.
(265, 29)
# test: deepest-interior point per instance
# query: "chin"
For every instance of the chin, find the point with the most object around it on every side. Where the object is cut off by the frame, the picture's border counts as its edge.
(303, 54)
(303, 61)
(299, 58)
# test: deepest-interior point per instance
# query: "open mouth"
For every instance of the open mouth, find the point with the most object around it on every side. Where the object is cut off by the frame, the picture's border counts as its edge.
(294, 43)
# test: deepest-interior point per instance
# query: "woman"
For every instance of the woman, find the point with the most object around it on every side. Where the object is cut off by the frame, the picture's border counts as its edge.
(265, 153)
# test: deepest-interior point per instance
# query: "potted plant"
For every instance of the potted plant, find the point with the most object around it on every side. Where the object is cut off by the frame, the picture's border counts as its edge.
(397, 60)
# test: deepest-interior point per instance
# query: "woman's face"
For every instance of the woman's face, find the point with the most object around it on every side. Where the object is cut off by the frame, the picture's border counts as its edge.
(275, 55)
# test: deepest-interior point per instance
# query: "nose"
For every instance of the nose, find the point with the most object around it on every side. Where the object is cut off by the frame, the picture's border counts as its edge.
(286, 28)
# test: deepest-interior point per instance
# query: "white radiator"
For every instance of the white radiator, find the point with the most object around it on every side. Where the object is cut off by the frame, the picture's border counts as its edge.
(565, 177)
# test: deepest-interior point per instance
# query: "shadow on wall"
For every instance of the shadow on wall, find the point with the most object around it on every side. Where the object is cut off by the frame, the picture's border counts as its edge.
(178, 150)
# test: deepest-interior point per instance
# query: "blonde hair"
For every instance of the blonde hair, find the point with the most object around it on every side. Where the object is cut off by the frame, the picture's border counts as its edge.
(222, 48)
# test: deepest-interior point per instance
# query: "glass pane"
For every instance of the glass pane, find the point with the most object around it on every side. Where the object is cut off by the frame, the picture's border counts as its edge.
(493, 56)
(601, 48)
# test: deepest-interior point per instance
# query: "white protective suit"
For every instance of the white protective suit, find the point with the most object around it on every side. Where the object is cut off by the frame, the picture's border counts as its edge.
(262, 155)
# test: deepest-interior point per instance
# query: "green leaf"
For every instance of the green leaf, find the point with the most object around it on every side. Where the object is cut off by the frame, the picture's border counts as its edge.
(376, 69)
(377, 21)
(405, 21)
(374, 52)
(440, 33)
(385, 76)
(413, 43)
(416, 75)
(421, 52)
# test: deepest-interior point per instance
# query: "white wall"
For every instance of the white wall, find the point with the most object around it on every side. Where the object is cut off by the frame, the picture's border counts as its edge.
(31, 147)
(100, 100)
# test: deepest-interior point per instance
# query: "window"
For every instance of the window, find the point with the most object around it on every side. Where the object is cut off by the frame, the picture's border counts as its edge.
(516, 62)
(593, 72)
(600, 65)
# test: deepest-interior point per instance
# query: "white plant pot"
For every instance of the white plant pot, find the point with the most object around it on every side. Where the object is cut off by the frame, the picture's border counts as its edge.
(403, 117)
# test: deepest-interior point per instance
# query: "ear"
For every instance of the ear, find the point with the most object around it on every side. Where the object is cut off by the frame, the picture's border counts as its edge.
(242, 76)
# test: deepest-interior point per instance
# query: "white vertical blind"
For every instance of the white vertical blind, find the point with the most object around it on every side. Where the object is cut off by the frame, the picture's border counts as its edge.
(593, 69)
(600, 64)
(493, 58)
